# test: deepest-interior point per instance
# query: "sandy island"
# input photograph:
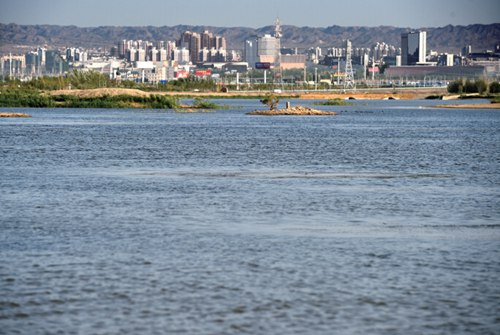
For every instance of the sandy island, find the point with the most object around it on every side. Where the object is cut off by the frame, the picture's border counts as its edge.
(471, 106)
(299, 110)
(5, 114)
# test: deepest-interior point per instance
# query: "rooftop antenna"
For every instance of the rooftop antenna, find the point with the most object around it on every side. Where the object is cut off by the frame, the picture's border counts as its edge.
(277, 28)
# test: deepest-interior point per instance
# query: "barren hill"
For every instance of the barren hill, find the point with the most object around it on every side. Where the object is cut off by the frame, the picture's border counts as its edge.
(444, 39)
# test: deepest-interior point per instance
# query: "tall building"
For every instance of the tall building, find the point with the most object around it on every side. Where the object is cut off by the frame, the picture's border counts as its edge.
(268, 49)
(413, 48)
(251, 51)
(181, 56)
(466, 50)
(195, 43)
(54, 63)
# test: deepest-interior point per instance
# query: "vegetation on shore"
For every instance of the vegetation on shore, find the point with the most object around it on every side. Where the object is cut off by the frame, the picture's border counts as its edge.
(333, 102)
(495, 100)
(468, 89)
(35, 98)
(202, 103)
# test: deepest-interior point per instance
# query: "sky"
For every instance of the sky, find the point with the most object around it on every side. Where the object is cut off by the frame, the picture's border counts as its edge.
(251, 13)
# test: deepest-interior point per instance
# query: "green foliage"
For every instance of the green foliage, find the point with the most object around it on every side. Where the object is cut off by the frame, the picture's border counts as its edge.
(20, 98)
(205, 104)
(481, 86)
(88, 79)
(33, 98)
(460, 86)
(469, 87)
(334, 102)
(161, 101)
(76, 79)
(271, 101)
(495, 87)
(455, 87)
(189, 84)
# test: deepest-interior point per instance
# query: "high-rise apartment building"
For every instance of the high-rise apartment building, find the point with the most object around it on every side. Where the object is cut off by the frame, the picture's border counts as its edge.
(196, 43)
(251, 56)
(413, 48)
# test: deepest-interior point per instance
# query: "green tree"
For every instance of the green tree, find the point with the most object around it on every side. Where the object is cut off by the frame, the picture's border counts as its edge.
(271, 101)
(495, 87)
(455, 87)
(481, 86)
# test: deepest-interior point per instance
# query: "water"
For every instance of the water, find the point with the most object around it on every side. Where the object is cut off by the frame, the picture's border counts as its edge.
(382, 220)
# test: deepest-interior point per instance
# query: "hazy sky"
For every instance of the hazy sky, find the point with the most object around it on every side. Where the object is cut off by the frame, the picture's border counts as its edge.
(251, 13)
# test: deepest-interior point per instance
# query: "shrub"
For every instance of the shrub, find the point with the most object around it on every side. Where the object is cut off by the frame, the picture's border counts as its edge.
(481, 86)
(495, 87)
(455, 87)
(203, 103)
(271, 101)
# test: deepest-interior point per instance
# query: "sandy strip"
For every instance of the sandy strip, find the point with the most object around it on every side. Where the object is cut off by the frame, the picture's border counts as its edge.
(471, 106)
(14, 115)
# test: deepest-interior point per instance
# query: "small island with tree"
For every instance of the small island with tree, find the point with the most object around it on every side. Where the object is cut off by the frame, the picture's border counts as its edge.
(271, 101)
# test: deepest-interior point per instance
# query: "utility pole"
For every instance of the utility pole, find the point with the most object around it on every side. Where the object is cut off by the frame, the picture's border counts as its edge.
(338, 71)
(373, 70)
(315, 78)
(349, 73)
(278, 34)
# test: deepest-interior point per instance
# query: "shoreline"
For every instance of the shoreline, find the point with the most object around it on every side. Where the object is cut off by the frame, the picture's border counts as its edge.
(470, 106)
(361, 94)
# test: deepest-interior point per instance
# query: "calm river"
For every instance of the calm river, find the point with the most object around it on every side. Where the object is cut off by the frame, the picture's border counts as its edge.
(384, 219)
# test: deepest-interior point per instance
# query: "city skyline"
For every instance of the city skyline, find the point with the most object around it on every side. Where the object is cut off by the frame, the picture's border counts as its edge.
(255, 13)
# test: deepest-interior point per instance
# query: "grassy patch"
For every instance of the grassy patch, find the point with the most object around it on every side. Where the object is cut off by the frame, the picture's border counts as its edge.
(334, 102)
(495, 99)
(33, 98)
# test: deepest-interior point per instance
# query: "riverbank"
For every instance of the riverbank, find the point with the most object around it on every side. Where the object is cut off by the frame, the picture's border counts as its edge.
(361, 94)
(134, 98)
(471, 106)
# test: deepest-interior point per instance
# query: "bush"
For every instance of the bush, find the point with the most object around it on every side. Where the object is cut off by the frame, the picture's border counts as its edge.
(334, 102)
(470, 87)
(455, 87)
(459, 86)
(495, 87)
(481, 86)
(271, 101)
(20, 98)
(203, 103)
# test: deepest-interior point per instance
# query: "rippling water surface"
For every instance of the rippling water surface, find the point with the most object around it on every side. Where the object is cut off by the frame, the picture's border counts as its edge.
(382, 220)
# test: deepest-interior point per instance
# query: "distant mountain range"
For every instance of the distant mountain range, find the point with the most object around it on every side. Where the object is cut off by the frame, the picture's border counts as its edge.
(450, 38)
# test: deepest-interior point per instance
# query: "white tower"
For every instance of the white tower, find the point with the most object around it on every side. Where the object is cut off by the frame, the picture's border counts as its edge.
(277, 35)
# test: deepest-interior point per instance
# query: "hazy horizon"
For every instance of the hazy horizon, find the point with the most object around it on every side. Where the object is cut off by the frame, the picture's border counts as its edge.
(252, 14)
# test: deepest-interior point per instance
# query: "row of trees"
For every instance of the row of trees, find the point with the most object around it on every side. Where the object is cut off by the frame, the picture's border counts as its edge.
(93, 79)
(75, 79)
(477, 86)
